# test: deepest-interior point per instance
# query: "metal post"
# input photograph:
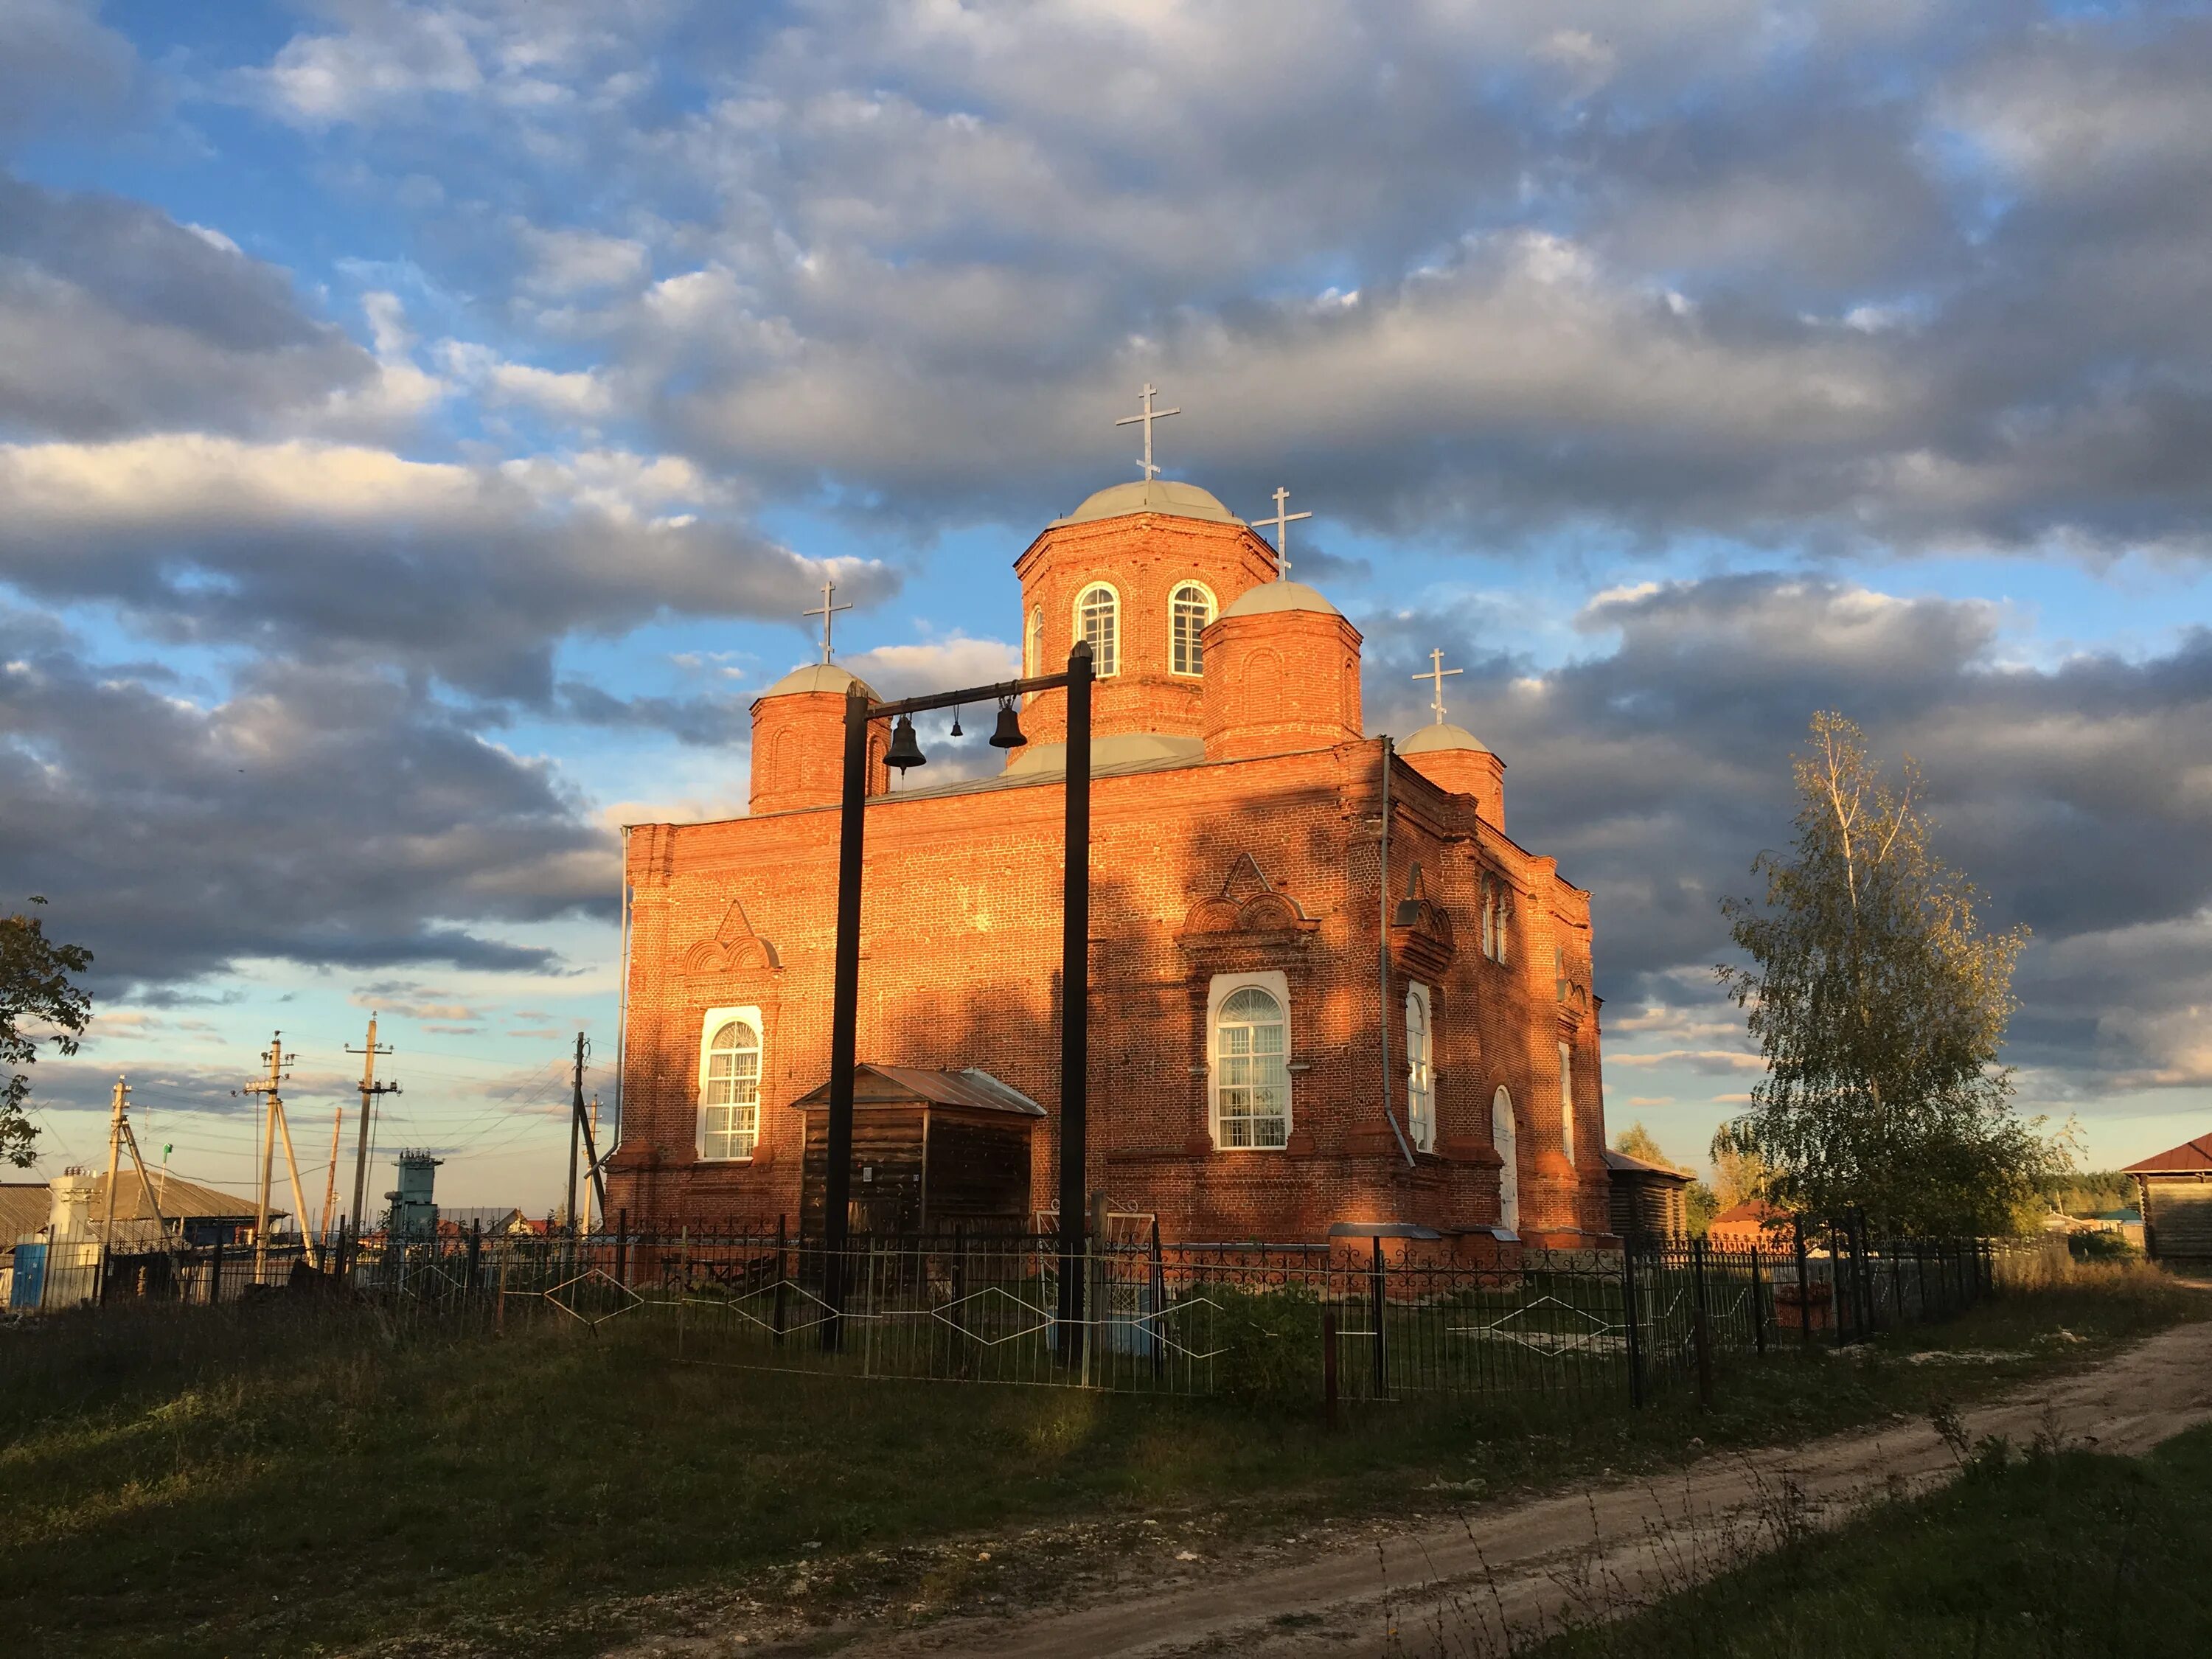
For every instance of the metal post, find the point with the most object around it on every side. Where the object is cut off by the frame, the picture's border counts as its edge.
(683, 1290)
(1376, 1291)
(1075, 1004)
(1836, 1281)
(475, 1252)
(1159, 1311)
(1702, 1329)
(782, 1276)
(1804, 1283)
(1758, 1303)
(621, 1247)
(1329, 1365)
(215, 1273)
(844, 1015)
(1629, 1315)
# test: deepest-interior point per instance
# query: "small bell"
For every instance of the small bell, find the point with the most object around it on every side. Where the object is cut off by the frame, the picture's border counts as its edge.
(957, 732)
(904, 750)
(1009, 734)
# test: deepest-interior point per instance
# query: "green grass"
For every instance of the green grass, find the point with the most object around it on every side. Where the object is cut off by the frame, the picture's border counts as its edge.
(279, 1480)
(2045, 1554)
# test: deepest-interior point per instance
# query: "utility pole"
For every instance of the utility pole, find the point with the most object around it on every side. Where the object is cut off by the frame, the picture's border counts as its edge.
(370, 1088)
(579, 1126)
(273, 1107)
(120, 1135)
(331, 1178)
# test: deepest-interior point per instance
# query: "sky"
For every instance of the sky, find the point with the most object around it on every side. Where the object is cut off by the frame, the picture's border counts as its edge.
(423, 426)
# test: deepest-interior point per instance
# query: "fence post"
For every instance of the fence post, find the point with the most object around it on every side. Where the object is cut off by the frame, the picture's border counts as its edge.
(215, 1273)
(1376, 1289)
(475, 1253)
(622, 1246)
(1701, 1327)
(1629, 1313)
(782, 1276)
(1159, 1312)
(1758, 1303)
(1329, 1364)
(1804, 1283)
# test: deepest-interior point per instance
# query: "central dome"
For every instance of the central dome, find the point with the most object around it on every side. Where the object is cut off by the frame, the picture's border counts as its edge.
(1180, 500)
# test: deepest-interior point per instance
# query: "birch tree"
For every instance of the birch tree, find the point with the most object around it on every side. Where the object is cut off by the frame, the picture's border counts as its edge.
(1880, 1002)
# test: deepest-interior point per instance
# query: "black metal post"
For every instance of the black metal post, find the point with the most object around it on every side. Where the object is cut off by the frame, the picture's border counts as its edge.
(476, 1252)
(844, 1016)
(1160, 1307)
(215, 1273)
(622, 1246)
(1758, 1302)
(1629, 1313)
(1701, 1330)
(1329, 1365)
(782, 1276)
(1075, 1004)
(1804, 1283)
(1378, 1296)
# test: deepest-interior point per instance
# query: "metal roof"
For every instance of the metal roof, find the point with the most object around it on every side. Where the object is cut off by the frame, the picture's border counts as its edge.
(1623, 1164)
(889, 1084)
(2188, 1158)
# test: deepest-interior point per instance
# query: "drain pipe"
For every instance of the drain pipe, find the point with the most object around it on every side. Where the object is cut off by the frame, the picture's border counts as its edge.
(1383, 960)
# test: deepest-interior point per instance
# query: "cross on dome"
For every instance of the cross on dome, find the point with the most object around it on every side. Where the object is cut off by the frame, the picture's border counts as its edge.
(1438, 673)
(826, 611)
(1146, 418)
(1283, 520)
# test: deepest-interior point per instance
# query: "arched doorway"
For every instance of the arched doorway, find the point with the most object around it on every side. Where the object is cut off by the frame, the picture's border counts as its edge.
(1505, 1139)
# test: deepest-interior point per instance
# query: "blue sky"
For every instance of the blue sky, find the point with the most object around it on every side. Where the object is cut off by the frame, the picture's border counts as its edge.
(422, 425)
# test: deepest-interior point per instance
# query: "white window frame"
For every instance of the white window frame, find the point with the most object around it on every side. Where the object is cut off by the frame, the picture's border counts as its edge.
(1213, 610)
(1277, 985)
(716, 1018)
(1421, 1070)
(1100, 668)
(1033, 642)
(1505, 1140)
(1567, 1096)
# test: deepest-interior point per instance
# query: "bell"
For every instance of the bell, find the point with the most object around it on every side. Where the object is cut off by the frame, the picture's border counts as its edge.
(1009, 734)
(957, 732)
(904, 750)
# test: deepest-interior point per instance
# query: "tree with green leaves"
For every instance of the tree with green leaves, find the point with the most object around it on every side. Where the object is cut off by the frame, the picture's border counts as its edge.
(36, 992)
(1880, 1002)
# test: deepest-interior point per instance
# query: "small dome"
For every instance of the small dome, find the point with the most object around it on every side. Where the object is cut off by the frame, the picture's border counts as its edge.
(1180, 500)
(816, 676)
(1279, 596)
(1430, 738)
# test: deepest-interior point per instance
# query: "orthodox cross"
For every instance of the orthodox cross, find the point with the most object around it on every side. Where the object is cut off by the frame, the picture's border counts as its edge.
(1149, 415)
(1283, 520)
(827, 611)
(1438, 673)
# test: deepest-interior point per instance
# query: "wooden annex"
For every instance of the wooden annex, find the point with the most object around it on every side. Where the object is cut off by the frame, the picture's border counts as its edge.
(2175, 1189)
(931, 1149)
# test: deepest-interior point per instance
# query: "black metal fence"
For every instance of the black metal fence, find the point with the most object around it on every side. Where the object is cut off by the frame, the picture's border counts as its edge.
(1349, 1321)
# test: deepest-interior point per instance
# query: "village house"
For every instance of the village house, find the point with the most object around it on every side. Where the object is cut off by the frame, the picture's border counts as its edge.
(2175, 1189)
(1326, 986)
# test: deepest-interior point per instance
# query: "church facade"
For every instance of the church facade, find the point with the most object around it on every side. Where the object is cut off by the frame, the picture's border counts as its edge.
(1326, 987)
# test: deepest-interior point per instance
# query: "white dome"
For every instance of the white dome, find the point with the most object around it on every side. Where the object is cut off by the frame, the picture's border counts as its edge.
(1180, 500)
(1431, 738)
(816, 676)
(1279, 596)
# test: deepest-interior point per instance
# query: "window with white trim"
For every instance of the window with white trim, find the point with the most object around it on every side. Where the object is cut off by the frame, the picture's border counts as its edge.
(1567, 1100)
(1497, 918)
(1033, 646)
(1506, 1140)
(1250, 1055)
(1190, 608)
(1098, 621)
(1420, 1070)
(729, 1084)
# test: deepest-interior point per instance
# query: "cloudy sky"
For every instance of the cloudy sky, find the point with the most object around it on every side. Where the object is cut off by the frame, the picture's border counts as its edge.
(420, 426)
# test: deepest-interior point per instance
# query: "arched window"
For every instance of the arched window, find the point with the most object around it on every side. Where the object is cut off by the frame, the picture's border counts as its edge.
(1033, 645)
(1190, 608)
(729, 1084)
(1567, 1101)
(1098, 620)
(1506, 1140)
(1251, 1070)
(1420, 1072)
(1490, 918)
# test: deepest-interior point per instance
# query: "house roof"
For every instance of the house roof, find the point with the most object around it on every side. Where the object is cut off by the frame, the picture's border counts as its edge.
(1623, 1163)
(178, 1197)
(1753, 1210)
(24, 1207)
(2188, 1157)
(889, 1084)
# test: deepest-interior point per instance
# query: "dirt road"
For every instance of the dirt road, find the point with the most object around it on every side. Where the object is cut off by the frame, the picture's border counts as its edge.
(1458, 1588)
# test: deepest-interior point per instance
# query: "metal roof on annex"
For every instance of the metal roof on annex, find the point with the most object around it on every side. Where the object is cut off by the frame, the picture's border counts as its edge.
(887, 1084)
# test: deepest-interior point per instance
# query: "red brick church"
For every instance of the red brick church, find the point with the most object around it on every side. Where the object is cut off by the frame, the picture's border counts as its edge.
(1276, 895)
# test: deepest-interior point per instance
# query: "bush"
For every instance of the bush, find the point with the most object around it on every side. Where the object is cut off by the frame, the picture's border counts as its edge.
(1271, 1345)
